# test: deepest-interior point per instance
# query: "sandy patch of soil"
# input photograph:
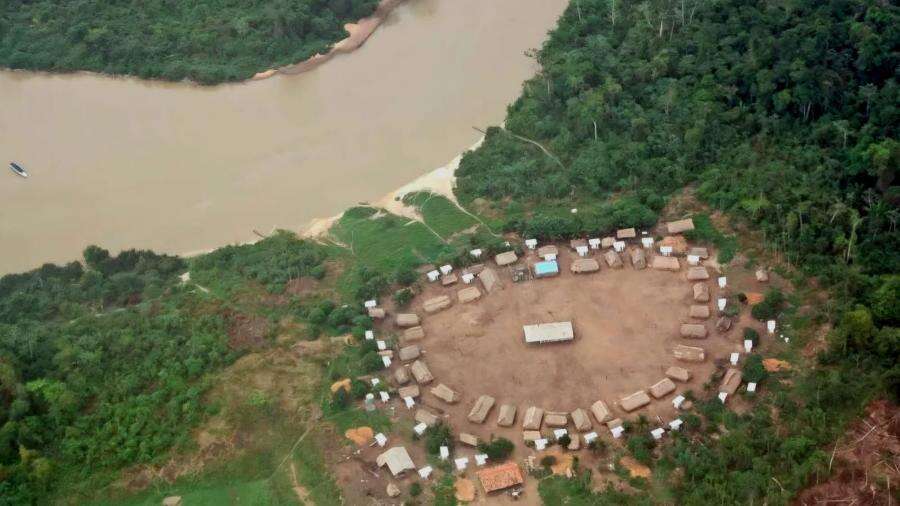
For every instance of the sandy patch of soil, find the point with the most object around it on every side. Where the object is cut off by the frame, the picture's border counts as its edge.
(360, 435)
(626, 324)
(635, 468)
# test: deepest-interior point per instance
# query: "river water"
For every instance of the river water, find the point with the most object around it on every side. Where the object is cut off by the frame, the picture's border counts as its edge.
(178, 168)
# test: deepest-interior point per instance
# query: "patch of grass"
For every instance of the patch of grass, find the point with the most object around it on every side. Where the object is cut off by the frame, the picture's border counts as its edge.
(440, 213)
(705, 232)
(386, 242)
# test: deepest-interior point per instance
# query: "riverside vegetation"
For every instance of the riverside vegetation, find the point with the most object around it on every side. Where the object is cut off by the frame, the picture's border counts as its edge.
(782, 116)
(208, 41)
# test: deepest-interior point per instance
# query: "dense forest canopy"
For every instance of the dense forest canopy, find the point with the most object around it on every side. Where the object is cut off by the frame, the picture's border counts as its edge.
(207, 41)
(783, 113)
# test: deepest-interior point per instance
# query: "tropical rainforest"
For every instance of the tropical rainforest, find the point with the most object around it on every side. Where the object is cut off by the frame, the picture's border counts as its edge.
(206, 41)
(782, 116)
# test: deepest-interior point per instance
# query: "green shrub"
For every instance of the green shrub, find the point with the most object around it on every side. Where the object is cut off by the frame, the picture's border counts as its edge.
(548, 461)
(751, 334)
(497, 449)
(641, 446)
(771, 305)
(340, 400)
(415, 489)
(403, 297)
(753, 370)
(437, 436)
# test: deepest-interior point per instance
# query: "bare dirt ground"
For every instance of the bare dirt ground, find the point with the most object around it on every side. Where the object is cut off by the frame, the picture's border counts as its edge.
(626, 324)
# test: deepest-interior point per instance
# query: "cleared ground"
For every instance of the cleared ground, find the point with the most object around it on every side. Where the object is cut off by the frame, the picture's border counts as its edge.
(626, 323)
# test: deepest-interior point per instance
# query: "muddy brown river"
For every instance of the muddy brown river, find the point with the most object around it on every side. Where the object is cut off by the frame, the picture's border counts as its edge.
(178, 168)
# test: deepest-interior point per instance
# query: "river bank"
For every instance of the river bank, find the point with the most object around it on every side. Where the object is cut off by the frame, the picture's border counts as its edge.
(124, 163)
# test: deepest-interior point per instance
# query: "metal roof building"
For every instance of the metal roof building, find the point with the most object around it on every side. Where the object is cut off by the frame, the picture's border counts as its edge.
(549, 332)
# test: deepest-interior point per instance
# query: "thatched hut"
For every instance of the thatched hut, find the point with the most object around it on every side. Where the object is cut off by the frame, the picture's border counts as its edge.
(584, 265)
(662, 388)
(689, 353)
(506, 258)
(698, 273)
(405, 320)
(693, 331)
(445, 393)
(701, 292)
(507, 415)
(634, 401)
(533, 418)
(435, 304)
(662, 263)
(612, 259)
(699, 311)
(680, 226)
(481, 408)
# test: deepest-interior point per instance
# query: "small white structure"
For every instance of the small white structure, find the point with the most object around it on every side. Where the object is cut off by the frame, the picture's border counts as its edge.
(481, 459)
(381, 439)
(675, 424)
(751, 387)
(446, 269)
(420, 428)
(617, 431)
(619, 246)
(468, 277)
(550, 257)
(425, 472)
(748, 345)
(433, 275)
(693, 260)
(384, 396)
(370, 303)
(581, 250)
(540, 444)
(375, 382)
(723, 396)
(722, 281)
(721, 304)
(370, 335)
(530, 243)
(657, 433)
(549, 332)
(381, 345)
(444, 452)
(787, 339)
(590, 436)
(594, 243)
(461, 463)
(771, 326)
(647, 242)
(558, 433)
(409, 401)
(678, 401)
(735, 357)
(476, 253)
(386, 361)
(574, 210)
(665, 250)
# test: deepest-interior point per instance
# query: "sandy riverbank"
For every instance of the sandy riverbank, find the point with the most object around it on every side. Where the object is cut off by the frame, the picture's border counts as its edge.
(441, 180)
(359, 34)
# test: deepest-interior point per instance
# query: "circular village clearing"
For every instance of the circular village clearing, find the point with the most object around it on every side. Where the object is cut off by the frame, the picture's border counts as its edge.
(564, 340)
